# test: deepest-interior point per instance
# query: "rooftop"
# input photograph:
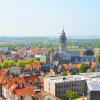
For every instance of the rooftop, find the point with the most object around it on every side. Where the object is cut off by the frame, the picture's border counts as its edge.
(82, 76)
(59, 79)
(91, 75)
(94, 84)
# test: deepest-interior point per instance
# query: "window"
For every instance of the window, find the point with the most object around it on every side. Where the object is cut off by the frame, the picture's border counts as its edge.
(56, 92)
(62, 85)
(69, 85)
(59, 85)
(72, 84)
(56, 86)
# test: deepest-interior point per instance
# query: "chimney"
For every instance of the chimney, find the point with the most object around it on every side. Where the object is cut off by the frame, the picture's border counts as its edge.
(30, 82)
(22, 85)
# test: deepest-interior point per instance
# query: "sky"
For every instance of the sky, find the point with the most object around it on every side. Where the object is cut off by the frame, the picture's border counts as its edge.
(48, 17)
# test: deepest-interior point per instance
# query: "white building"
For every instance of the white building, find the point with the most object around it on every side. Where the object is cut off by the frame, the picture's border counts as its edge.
(58, 86)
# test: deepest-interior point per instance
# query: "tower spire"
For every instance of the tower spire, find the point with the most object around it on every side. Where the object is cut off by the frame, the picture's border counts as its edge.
(62, 42)
(63, 29)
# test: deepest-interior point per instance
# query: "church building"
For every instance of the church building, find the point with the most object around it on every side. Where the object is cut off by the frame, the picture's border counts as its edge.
(65, 55)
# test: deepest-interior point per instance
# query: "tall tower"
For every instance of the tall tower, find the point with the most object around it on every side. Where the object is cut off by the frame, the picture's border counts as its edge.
(62, 42)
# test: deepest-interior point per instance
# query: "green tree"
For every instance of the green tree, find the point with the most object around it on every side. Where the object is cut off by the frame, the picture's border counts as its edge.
(8, 63)
(1, 64)
(64, 73)
(28, 61)
(98, 58)
(11, 63)
(32, 59)
(71, 95)
(42, 60)
(5, 63)
(93, 69)
(21, 63)
(83, 68)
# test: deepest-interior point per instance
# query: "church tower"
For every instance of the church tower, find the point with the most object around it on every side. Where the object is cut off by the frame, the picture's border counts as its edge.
(62, 42)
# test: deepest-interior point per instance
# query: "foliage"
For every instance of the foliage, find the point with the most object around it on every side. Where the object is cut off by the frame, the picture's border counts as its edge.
(83, 68)
(12, 47)
(11, 62)
(1, 64)
(85, 43)
(98, 58)
(28, 60)
(64, 73)
(8, 63)
(93, 69)
(32, 59)
(21, 63)
(42, 60)
(50, 43)
(71, 94)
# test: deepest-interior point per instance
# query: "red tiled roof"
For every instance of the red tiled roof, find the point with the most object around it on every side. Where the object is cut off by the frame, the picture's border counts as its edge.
(13, 80)
(23, 49)
(13, 86)
(4, 80)
(35, 65)
(20, 92)
(3, 71)
(66, 66)
(32, 78)
(34, 51)
(17, 79)
(94, 64)
(25, 91)
(1, 79)
(30, 91)
(77, 66)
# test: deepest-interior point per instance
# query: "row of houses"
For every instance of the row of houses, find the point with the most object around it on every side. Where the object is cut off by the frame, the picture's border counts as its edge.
(24, 53)
(20, 87)
(23, 87)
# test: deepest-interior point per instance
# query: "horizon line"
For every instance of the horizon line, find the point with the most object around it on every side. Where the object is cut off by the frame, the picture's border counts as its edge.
(68, 37)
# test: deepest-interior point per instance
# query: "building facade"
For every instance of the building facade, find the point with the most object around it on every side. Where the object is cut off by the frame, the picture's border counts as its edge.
(58, 86)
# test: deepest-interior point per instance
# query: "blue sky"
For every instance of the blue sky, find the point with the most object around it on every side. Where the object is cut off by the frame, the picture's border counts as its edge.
(47, 17)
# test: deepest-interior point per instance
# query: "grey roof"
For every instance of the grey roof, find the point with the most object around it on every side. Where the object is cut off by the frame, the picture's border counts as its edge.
(94, 86)
(74, 53)
(88, 58)
(62, 56)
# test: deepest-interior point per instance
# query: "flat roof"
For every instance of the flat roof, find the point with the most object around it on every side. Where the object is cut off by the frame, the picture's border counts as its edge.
(94, 84)
(82, 76)
(92, 79)
(60, 79)
(91, 74)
